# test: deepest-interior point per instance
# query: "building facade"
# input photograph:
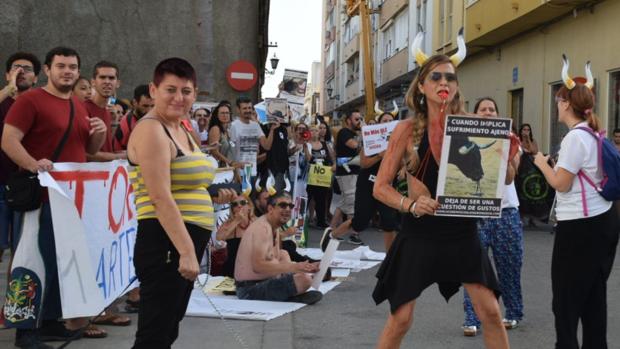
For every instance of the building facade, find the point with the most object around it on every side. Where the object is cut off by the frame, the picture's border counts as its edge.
(517, 53)
(395, 24)
(514, 54)
(138, 34)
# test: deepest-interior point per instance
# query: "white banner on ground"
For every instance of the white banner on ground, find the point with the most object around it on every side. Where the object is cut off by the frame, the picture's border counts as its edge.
(375, 137)
(94, 219)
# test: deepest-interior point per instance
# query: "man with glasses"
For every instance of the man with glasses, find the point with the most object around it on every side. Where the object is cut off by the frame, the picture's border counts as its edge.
(347, 148)
(22, 69)
(263, 271)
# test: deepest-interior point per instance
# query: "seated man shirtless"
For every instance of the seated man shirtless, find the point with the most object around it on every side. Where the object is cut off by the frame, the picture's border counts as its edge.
(265, 272)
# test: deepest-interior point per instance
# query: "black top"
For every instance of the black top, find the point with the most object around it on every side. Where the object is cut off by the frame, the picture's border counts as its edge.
(435, 227)
(277, 156)
(322, 154)
(343, 151)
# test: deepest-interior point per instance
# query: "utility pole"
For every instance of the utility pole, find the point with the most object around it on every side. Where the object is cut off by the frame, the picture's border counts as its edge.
(360, 7)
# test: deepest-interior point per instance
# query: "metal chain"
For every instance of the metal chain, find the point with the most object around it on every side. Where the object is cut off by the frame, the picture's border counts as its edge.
(228, 325)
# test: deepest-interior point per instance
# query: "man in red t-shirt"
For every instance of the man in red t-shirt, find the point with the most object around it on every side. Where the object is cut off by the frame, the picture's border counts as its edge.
(22, 70)
(33, 129)
(141, 104)
(105, 82)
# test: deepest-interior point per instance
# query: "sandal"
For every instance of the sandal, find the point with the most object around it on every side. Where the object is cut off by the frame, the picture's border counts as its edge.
(132, 306)
(112, 320)
(92, 331)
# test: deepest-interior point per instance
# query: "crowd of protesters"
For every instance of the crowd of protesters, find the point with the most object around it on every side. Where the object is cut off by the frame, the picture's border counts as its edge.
(174, 150)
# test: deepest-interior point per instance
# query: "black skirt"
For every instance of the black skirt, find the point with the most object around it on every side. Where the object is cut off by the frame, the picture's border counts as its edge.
(441, 250)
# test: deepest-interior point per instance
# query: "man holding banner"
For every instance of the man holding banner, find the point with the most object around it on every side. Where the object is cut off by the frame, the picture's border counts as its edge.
(33, 139)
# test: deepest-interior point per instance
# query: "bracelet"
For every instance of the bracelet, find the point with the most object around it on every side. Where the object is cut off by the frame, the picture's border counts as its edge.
(402, 201)
(412, 209)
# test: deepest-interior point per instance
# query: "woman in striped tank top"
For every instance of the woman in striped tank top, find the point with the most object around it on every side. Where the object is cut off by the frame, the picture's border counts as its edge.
(170, 177)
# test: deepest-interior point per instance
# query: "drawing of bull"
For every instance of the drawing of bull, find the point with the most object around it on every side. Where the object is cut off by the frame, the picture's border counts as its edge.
(465, 155)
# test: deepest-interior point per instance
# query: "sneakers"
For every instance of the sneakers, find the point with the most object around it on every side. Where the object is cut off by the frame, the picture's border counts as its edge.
(510, 324)
(355, 239)
(470, 331)
(308, 298)
(29, 339)
(327, 235)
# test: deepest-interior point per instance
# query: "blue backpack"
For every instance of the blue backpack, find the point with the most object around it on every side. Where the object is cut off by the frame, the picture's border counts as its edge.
(608, 164)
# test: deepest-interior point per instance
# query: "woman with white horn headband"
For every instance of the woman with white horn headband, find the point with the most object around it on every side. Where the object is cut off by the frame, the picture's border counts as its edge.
(587, 235)
(430, 249)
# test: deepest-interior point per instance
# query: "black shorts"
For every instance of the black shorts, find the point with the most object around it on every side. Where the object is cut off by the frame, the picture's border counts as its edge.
(366, 206)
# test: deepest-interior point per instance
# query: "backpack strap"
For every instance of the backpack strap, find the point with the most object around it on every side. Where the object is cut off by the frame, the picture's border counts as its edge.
(582, 175)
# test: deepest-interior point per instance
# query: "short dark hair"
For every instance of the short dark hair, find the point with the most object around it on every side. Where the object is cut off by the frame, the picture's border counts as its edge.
(274, 198)
(105, 64)
(61, 51)
(36, 64)
(175, 66)
(243, 99)
(141, 90)
(616, 130)
(349, 112)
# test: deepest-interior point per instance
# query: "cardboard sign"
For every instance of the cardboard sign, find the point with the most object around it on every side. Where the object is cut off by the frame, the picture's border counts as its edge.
(472, 171)
(320, 175)
(375, 137)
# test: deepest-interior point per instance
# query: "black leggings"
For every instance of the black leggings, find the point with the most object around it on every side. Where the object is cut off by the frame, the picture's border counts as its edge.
(164, 293)
(583, 256)
(319, 194)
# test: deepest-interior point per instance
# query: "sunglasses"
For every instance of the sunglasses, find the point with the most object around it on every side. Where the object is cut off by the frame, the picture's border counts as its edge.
(234, 204)
(285, 205)
(436, 76)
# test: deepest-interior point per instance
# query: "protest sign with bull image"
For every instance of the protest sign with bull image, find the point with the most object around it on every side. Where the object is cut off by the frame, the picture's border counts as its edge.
(473, 166)
(293, 89)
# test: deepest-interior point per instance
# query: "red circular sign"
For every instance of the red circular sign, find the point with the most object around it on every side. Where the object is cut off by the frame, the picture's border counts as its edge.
(241, 75)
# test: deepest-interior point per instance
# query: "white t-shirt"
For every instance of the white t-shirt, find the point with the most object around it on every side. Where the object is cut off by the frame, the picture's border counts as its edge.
(510, 199)
(245, 138)
(579, 151)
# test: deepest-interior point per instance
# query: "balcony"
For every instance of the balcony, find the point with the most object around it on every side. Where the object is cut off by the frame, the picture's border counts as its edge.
(389, 9)
(489, 22)
(351, 48)
(395, 66)
(329, 71)
(352, 91)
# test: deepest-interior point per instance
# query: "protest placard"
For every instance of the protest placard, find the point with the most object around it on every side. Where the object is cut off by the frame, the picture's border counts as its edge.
(94, 220)
(277, 110)
(320, 175)
(474, 158)
(375, 137)
(293, 89)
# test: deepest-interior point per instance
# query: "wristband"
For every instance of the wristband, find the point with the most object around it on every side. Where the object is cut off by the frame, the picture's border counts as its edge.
(402, 201)
(412, 209)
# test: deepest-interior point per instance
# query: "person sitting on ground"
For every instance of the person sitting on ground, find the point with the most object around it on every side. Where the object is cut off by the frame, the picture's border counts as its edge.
(265, 272)
(240, 217)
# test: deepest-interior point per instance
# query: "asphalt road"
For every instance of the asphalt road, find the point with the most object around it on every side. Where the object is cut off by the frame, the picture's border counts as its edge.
(348, 318)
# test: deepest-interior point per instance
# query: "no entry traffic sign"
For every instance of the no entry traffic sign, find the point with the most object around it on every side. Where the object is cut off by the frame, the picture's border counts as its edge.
(241, 75)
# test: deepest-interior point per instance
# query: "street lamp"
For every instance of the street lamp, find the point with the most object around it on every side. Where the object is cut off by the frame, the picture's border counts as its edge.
(274, 64)
(329, 94)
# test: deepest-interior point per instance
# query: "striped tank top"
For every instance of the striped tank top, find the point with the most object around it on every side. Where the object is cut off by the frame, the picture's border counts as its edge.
(190, 175)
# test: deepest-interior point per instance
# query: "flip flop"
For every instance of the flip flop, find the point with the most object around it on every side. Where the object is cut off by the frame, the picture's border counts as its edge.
(92, 331)
(112, 320)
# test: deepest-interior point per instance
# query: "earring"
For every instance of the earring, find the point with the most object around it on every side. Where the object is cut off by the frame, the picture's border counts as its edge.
(422, 100)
